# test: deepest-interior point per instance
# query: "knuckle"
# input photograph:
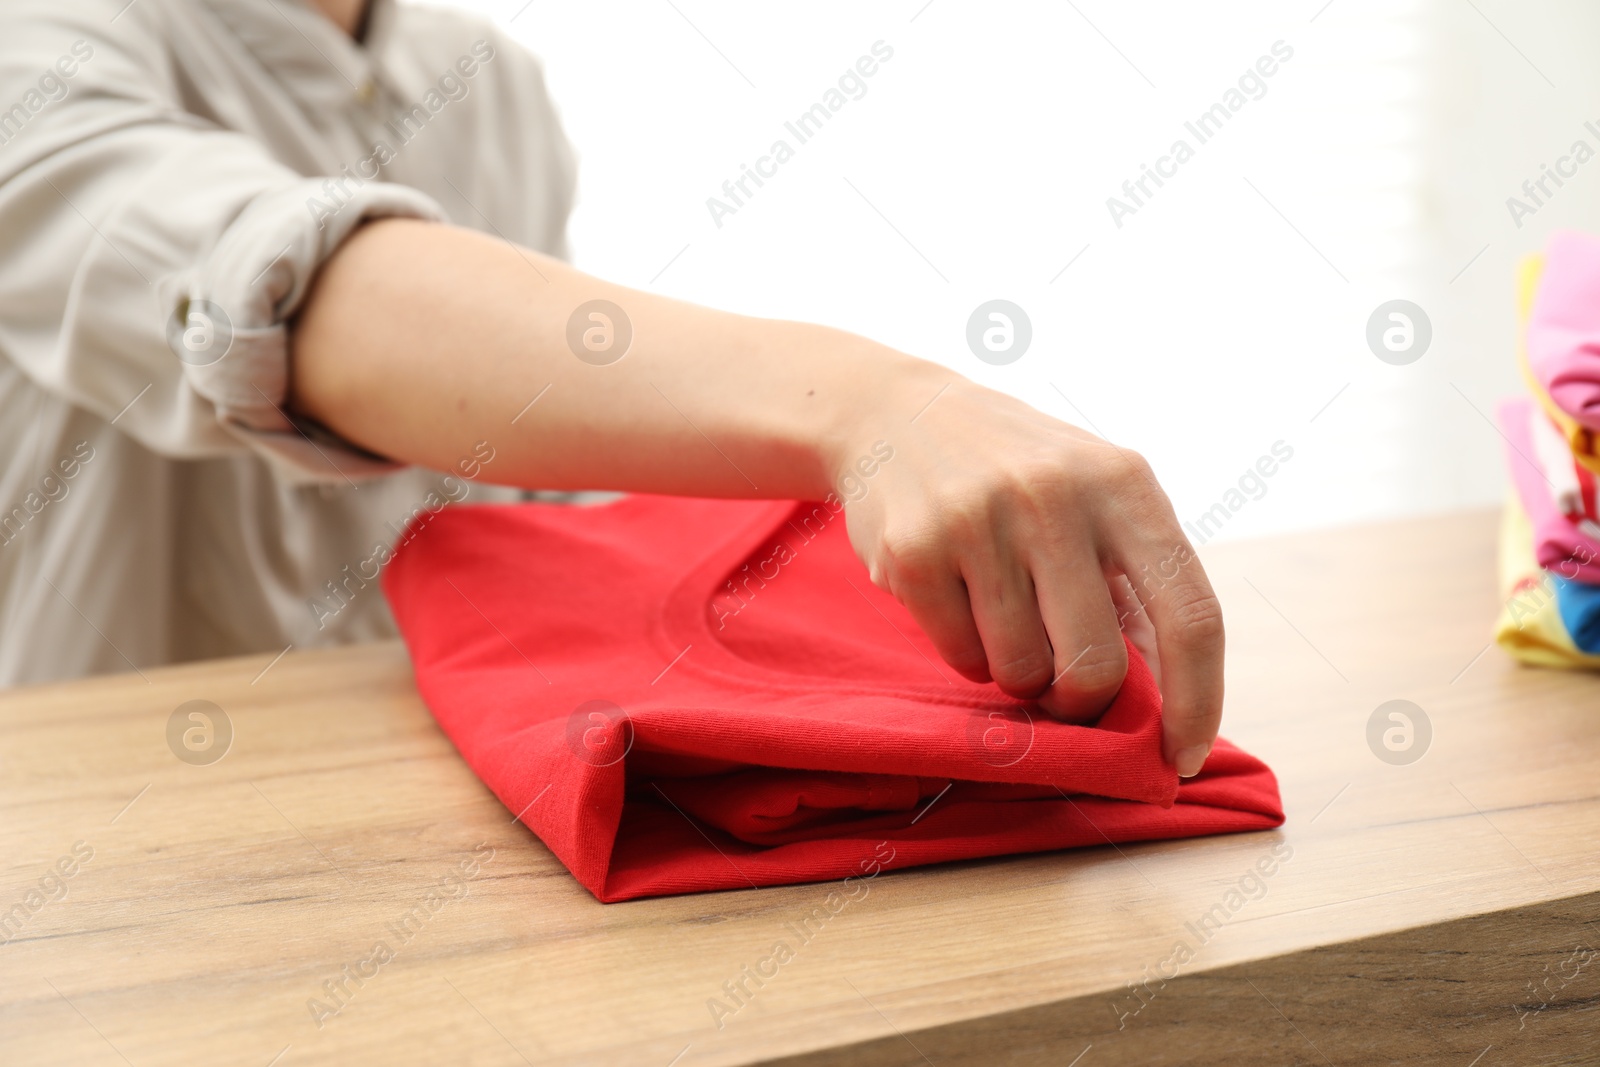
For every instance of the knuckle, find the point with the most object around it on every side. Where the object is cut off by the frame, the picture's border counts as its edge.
(970, 663)
(910, 555)
(1139, 468)
(1146, 504)
(1025, 675)
(1118, 480)
(1041, 487)
(964, 512)
(1197, 622)
(1120, 467)
(1099, 672)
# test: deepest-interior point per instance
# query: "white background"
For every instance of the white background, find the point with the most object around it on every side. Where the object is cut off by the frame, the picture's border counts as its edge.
(1227, 314)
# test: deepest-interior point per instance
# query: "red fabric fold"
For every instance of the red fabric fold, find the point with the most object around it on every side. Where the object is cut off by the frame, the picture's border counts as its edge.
(682, 695)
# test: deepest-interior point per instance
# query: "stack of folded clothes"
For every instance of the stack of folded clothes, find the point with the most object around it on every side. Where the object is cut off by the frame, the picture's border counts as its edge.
(1550, 538)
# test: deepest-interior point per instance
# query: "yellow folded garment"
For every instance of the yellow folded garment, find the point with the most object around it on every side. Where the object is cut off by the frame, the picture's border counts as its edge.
(1530, 626)
(1579, 438)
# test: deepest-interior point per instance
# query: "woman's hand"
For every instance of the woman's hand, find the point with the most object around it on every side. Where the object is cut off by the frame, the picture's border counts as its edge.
(1025, 548)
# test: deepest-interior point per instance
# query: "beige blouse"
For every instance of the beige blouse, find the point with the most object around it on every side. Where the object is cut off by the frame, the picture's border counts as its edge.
(172, 172)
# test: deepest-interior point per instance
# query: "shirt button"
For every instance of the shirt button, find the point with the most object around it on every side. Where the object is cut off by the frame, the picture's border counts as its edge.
(367, 91)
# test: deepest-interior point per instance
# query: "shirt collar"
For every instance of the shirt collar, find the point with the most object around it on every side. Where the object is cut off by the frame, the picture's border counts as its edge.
(314, 60)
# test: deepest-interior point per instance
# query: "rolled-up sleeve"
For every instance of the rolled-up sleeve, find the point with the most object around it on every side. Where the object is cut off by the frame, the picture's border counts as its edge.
(153, 260)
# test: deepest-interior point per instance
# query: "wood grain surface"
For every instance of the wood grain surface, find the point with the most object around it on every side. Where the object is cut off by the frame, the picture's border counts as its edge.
(1445, 910)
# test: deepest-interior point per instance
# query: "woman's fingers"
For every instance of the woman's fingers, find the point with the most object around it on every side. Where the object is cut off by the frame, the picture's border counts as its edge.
(937, 599)
(1080, 617)
(1189, 635)
(1135, 623)
(1006, 611)
(1187, 619)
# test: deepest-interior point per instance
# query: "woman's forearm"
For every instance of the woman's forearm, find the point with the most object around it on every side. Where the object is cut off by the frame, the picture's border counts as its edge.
(1024, 547)
(419, 340)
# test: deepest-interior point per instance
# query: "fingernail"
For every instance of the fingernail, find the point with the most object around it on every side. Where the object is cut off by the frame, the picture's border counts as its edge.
(1189, 760)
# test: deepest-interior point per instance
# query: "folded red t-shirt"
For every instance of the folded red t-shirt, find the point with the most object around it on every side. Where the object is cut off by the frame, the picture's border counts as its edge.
(681, 695)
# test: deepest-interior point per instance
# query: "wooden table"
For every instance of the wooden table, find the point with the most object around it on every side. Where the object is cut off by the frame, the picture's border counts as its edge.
(1429, 911)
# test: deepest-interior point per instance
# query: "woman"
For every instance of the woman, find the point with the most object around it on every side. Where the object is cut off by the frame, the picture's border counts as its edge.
(272, 265)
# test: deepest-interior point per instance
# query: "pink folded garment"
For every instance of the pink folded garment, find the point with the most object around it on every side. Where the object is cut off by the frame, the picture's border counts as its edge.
(1544, 472)
(1564, 326)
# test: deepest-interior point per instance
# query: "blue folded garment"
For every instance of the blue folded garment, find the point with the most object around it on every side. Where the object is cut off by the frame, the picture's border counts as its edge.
(1579, 605)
